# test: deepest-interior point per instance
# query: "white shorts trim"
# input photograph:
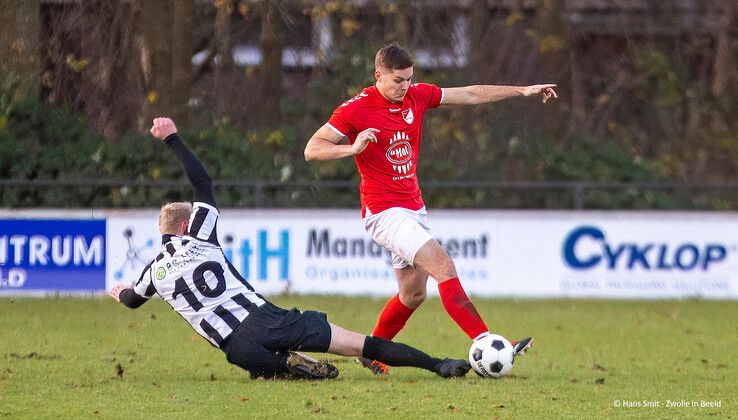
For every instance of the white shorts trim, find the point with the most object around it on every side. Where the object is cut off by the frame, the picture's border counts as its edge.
(399, 230)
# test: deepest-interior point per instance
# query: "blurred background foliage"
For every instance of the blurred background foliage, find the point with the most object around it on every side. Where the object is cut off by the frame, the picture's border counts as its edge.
(647, 97)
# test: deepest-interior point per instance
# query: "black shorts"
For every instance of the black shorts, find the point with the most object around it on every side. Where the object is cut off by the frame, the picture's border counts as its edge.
(261, 343)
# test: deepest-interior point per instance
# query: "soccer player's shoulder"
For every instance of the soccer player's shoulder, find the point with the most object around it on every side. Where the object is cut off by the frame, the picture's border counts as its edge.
(421, 88)
(358, 101)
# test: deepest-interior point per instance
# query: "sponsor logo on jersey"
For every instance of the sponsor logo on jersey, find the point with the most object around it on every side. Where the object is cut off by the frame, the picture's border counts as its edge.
(400, 153)
(407, 115)
(161, 273)
(394, 109)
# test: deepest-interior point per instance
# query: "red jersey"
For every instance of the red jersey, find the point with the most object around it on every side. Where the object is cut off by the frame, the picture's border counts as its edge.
(387, 168)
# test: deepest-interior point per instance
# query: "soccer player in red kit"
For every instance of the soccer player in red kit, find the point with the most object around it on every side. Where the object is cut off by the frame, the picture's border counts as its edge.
(383, 124)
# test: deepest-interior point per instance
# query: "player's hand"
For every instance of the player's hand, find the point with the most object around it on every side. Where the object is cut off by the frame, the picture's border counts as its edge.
(363, 139)
(546, 91)
(115, 292)
(162, 128)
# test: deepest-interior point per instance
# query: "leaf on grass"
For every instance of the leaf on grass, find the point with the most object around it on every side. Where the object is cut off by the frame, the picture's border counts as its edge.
(597, 366)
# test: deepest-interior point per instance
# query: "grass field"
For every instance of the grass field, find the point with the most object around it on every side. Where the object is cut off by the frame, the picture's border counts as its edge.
(94, 358)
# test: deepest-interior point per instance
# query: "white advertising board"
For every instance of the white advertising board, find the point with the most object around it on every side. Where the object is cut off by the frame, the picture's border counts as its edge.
(649, 255)
(617, 255)
(301, 251)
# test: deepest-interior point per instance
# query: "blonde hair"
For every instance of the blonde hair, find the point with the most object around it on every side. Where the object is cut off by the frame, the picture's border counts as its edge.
(172, 215)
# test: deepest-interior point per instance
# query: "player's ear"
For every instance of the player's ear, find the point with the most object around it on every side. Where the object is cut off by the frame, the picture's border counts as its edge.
(377, 74)
(182, 227)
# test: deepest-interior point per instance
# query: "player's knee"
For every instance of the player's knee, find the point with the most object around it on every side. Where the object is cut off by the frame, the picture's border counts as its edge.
(445, 269)
(437, 264)
(413, 299)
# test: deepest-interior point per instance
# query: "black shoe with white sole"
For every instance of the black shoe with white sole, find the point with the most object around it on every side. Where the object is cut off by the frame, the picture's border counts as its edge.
(523, 345)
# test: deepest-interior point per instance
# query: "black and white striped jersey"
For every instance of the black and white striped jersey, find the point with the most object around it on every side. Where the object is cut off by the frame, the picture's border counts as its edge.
(194, 277)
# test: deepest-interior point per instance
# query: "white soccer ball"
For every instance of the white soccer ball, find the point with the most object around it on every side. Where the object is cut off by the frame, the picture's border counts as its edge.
(492, 356)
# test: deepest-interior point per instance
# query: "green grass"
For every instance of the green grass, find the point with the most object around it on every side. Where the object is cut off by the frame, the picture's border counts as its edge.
(81, 358)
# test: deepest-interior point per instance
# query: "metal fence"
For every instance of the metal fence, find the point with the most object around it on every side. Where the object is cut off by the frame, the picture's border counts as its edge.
(257, 193)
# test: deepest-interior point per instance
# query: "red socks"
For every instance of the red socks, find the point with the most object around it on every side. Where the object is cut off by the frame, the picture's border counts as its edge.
(393, 317)
(460, 308)
(454, 299)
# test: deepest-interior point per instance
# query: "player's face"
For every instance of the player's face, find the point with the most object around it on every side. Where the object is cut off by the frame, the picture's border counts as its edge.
(393, 84)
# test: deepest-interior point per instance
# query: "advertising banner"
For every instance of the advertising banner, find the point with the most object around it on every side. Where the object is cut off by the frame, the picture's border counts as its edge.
(336, 254)
(301, 251)
(52, 255)
(643, 255)
(618, 255)
(260, 246)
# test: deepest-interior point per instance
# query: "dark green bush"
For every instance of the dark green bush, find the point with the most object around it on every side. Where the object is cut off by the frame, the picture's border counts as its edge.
(41, 142)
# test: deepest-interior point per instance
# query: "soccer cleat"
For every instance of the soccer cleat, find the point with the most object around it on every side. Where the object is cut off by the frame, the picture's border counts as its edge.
(522, 346)
(377, 368)
(451, 368)
(302, 367)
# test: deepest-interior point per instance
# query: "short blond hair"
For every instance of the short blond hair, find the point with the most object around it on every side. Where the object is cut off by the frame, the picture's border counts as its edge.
(172, 215)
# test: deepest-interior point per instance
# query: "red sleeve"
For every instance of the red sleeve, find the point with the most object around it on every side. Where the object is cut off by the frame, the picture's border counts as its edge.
(431, 94)
(340, 121)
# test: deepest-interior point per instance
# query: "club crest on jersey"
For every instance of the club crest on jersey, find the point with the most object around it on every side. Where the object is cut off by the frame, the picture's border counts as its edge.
(400, 153)
(407, 115)
(161, 273)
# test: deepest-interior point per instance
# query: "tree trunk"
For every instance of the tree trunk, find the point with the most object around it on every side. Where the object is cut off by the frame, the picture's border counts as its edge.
(223, 42)
(479, 20)
(272, 45)
(553, 44)
(577, 89)
(182, 45)
(167, 58)
(19, 49)
(111, 85)
(401, 22)
(224, 56)
(726, 75)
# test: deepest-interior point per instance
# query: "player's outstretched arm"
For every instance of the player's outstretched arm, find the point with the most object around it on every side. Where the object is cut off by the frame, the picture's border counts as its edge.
(323, 145)
(482, 94)
(165, 130)
(127, 296)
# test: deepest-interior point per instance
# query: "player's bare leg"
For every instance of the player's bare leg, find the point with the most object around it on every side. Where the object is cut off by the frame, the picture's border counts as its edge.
(433, 259)
(412, 285)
